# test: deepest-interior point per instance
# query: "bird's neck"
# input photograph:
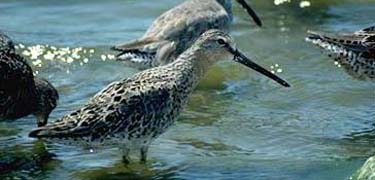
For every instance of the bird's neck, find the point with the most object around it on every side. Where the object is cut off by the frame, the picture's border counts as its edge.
(195, 62)
(190, 68)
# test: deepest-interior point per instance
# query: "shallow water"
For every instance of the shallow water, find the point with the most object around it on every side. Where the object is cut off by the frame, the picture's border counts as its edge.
(238, 124)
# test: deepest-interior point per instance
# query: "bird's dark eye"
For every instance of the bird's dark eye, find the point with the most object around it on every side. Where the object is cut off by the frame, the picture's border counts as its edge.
(221, 41)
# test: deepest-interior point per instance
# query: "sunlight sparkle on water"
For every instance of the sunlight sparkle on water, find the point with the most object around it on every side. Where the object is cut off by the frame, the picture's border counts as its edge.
(278, 2)
(304, 4)
(42, 55)
(276, 68)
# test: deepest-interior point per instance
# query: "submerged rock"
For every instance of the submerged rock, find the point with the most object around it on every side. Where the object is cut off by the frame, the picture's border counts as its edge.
(367, 172)
(19, 158)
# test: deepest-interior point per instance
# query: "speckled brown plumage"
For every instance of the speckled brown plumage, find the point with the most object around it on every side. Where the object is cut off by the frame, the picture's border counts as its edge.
(134, 111)
(175, 30)
(20, 93)
(354, 52)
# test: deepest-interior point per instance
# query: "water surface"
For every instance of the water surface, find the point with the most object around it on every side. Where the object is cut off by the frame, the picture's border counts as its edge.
(238, 124)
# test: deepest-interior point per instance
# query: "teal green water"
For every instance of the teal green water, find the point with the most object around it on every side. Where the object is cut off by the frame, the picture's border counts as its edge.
(238, 124)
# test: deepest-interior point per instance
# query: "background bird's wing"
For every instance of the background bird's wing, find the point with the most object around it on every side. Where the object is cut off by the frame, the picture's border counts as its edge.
(186, 18)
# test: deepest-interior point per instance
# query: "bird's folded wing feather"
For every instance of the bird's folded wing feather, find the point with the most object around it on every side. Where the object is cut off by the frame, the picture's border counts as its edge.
(180, 22)
(184, 18)
(16, 78)
(119, 106)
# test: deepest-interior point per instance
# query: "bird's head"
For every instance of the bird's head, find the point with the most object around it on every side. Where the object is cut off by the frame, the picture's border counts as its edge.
(47, 100)
(215, 45)
(6, 43)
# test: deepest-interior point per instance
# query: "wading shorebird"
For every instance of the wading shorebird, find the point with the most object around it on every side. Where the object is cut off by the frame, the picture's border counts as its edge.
(354, 52)
(21, 93)
(176, 30)
(136, 110)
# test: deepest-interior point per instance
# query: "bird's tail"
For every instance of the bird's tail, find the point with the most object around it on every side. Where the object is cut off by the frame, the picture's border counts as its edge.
(348, 50)
(140, 54)
(60, 129)
(330, 47)
(137, 58)
(366, 31)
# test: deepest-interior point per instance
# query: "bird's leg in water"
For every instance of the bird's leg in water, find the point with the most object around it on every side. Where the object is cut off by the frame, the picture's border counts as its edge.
(144, 150)
(125, 154)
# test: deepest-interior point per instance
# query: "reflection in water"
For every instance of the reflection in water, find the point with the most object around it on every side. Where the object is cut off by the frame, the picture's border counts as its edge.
(214, 148)
(363, 137)
(6, 131)
(131, 171)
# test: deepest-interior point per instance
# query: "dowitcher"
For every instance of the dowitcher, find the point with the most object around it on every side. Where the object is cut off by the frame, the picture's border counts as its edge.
(134, 111)
(176, 30)
(355, 52)
(21, 93)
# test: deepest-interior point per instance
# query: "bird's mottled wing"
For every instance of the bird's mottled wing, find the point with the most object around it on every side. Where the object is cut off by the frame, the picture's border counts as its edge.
(369, 41)
(121, 108)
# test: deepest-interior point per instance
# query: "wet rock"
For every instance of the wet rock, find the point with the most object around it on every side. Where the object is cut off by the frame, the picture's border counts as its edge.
(20, 158)
(367, 172)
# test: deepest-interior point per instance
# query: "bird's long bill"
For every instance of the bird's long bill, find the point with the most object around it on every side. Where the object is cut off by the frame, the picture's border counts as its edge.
(241, 58)
(250, 11)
